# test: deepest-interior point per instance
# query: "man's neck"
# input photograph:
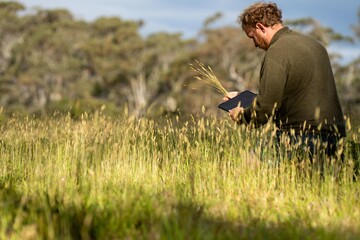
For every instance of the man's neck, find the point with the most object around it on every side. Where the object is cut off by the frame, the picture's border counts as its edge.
(271, 31)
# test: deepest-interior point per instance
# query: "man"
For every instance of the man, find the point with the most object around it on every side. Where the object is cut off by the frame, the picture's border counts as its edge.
(297, 87)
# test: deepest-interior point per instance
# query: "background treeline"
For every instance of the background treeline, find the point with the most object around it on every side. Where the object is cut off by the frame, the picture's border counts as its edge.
(52, 62)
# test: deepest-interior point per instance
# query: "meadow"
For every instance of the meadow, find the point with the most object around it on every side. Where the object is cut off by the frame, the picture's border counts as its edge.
(204, 178)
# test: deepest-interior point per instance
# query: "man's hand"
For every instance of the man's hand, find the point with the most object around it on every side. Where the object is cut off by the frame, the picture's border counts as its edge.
(236, 113)
(231, 95)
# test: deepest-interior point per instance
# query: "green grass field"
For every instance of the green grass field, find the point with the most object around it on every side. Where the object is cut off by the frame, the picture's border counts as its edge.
(99, 178)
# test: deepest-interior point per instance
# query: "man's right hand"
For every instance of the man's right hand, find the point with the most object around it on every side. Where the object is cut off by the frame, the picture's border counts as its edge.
(236, 113)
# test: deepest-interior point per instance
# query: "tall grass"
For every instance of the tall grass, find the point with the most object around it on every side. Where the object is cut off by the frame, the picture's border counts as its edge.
(99, 178)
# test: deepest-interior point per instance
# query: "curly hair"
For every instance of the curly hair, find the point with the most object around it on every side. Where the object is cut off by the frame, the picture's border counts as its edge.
(267, 14)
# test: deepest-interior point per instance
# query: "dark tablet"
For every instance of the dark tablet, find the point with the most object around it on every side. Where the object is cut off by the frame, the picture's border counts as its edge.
(244, 99)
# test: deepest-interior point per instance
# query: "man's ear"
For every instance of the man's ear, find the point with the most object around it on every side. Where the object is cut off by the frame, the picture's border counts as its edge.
(260, 26)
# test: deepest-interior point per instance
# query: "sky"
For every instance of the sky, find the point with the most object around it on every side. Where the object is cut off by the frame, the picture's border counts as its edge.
(187, 16)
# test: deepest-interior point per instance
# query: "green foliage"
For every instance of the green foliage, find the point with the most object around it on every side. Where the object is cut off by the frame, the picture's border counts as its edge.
(356, 28)
(48, 57)
(11, 6)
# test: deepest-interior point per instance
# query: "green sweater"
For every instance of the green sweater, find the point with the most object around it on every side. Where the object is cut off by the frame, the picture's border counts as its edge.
(296, 77)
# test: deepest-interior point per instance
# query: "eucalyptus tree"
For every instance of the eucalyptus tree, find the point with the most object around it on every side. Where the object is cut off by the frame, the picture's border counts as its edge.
(44, 65)
(132, 70)
(110, 57)
(10, 30)
(349, 77)
(155, 86)
(11, 34)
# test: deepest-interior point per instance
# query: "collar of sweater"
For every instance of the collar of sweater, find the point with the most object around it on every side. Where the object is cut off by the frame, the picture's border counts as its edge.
(278, 34)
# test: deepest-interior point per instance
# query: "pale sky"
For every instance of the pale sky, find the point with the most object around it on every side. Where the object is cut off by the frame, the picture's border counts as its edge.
(187, 16)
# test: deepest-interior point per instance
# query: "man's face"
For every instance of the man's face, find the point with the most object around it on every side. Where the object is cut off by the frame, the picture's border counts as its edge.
(258, 37)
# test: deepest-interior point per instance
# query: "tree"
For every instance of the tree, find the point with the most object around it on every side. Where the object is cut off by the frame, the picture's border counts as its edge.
(356, 28)
(44, 64)
(152, 84)
(10, 31)
(349, 80)
(49, 59)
